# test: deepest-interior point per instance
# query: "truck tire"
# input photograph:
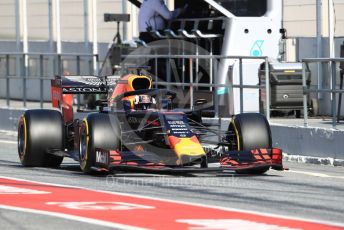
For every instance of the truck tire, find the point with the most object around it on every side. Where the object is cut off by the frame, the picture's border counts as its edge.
(39, 132)
(251, 131)
(97, 131)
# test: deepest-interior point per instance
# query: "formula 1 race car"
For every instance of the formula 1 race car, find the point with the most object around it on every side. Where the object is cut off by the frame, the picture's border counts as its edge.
(137, 128)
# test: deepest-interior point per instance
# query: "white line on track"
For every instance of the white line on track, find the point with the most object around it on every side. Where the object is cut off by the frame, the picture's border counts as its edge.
(8, 142)
(315, 174)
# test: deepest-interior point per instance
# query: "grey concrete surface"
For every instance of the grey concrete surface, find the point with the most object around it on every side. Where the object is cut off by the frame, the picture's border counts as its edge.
(29, 221)
(305, 191)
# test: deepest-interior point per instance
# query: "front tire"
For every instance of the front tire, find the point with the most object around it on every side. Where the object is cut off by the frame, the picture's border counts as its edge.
(250, 131)
(97, 131)
(40, 131)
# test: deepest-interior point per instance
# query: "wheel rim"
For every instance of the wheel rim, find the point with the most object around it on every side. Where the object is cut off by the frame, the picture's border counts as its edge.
(83, 146)
(233, 137)
(22, 139)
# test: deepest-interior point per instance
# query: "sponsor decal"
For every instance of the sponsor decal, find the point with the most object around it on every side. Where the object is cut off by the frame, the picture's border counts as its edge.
(256, 50)
(102, 157)
(178, 126)
(88, 80)
(83, 90)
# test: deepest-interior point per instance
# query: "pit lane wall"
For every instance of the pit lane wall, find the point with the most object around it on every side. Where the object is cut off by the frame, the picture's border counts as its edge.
(9, 118)
(311, 145)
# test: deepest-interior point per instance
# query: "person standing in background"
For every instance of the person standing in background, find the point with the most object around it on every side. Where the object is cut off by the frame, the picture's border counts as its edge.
(152, 16)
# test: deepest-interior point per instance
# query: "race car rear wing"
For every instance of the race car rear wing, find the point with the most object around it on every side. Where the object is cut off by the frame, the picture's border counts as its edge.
(84, 84)
(63, 88)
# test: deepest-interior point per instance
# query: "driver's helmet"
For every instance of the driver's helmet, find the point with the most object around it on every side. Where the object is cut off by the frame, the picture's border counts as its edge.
(144, 102)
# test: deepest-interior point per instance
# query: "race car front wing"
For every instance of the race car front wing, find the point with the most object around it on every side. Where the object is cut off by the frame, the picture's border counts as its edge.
(142, 161)
(257, 158)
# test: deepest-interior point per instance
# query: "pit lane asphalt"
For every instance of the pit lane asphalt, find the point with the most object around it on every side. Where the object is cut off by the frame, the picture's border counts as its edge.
(306, 191)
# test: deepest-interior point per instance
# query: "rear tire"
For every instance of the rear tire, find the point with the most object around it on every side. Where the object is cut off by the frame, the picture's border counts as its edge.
(251, 131)
(40, 131)
(97, 131)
